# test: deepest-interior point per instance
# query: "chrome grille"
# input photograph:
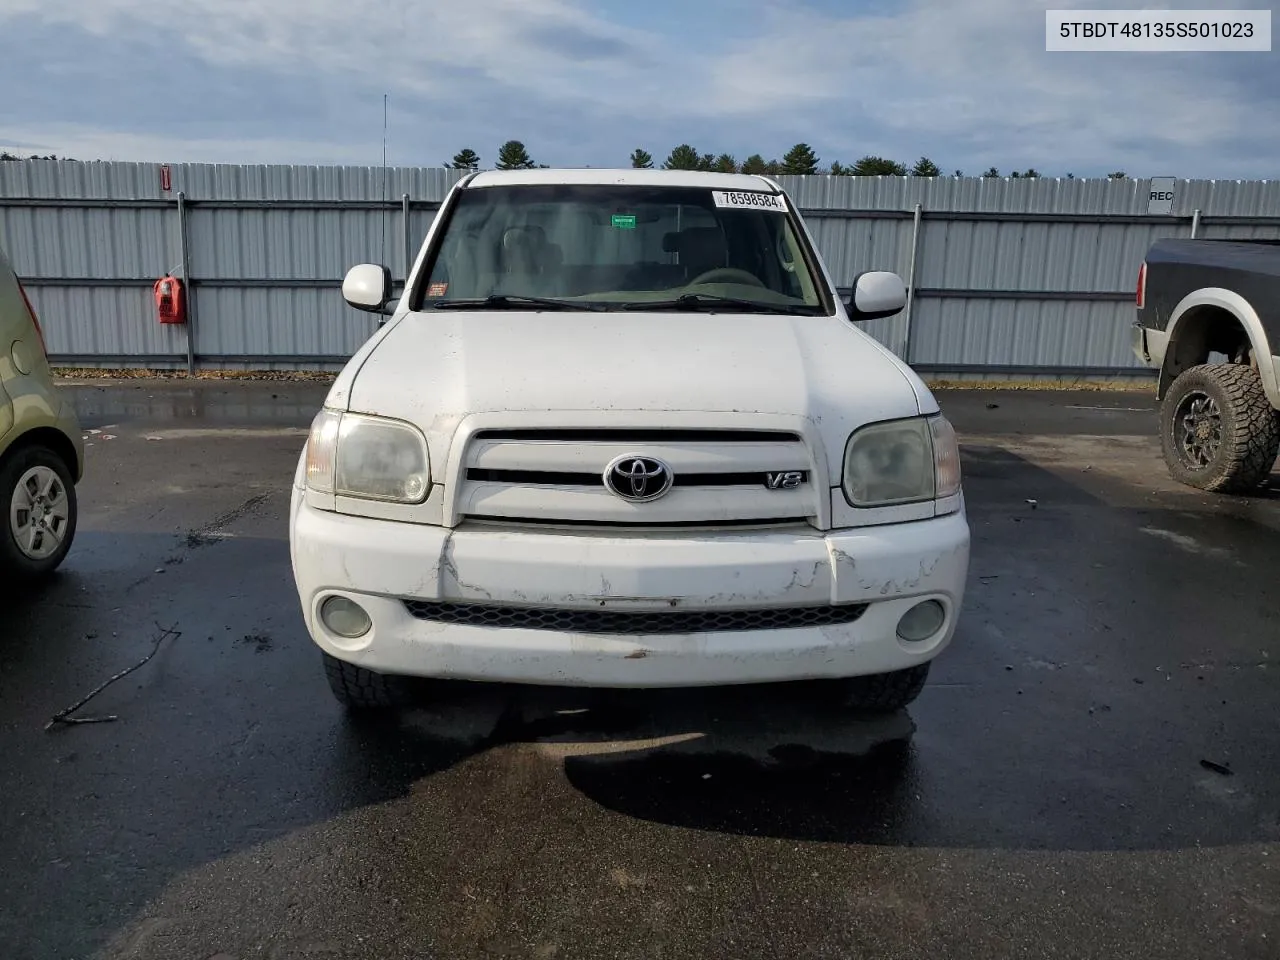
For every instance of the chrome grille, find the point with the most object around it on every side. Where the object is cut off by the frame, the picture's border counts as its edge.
(557, 475)
(631, 622)
(534, 477)
(631, 435)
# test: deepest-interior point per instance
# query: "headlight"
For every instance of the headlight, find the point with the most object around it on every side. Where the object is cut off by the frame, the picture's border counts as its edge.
(902, 461)
(351, 455)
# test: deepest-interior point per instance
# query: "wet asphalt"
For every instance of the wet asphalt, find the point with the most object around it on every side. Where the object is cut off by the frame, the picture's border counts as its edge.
(1047, 795)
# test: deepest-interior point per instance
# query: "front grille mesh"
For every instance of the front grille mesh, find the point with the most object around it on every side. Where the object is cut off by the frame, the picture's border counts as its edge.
(627, 622)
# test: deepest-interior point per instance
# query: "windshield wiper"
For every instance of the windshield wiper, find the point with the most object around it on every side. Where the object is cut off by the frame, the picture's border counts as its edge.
(710, 303)
(502, 301)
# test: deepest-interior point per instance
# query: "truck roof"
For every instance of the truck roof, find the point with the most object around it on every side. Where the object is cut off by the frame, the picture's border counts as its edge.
(626, 177)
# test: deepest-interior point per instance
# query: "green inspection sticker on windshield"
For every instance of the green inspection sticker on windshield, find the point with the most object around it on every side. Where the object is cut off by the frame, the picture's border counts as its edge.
(624, 221)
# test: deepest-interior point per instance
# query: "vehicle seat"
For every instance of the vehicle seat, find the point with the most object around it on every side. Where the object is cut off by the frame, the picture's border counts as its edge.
(700, 249)
(516, 264)
(550, 259)
(519, 251)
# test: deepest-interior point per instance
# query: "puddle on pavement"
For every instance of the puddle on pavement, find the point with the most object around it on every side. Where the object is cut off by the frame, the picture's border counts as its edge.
(780, 727)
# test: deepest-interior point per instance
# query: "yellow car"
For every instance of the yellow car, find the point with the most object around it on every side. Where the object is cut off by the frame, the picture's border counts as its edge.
(41, 446)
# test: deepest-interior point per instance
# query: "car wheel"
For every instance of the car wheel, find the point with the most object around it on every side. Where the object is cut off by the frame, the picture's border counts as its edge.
(880, 693)
(364, 690)
(1218, 431)
(40, 509)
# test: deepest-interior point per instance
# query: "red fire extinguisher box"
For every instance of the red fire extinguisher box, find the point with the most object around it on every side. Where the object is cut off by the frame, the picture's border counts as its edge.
(170, 300)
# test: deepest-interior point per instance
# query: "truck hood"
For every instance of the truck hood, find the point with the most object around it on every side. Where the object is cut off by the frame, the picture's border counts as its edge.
(433, 369)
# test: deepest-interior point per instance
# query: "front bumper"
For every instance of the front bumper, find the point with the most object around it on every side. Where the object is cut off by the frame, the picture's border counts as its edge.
(382, 564)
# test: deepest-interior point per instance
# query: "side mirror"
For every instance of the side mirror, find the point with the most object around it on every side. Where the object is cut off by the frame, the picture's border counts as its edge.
(876, 293)
(368, 287)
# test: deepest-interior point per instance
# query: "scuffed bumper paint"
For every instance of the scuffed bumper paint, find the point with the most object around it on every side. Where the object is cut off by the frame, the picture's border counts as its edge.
(1149, 345)
(380, 564)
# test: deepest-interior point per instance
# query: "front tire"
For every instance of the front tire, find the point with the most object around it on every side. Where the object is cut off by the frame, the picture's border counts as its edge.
(38, 497)
(881, 693)
(1218, 430)
(363, 690)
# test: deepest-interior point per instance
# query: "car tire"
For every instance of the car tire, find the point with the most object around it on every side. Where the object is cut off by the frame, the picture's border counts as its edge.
(1218, 430)
(881, 693)
(362, 690)
(34, 476)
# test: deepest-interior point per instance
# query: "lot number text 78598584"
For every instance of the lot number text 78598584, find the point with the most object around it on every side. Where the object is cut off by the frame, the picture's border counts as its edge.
(749, 200)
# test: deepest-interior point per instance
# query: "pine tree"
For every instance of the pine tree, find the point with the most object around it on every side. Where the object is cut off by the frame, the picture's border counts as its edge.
(925, 168)
(513, 156)
(683, 157)
(871, 166)
(754, 165)
(641, 159)
(466, 159)
(800, 161)
(725, 164)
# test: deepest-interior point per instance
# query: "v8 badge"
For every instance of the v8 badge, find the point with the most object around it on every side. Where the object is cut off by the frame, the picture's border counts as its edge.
(784, 480)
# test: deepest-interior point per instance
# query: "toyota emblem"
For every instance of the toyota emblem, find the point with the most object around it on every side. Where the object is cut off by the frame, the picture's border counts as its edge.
(638, 479)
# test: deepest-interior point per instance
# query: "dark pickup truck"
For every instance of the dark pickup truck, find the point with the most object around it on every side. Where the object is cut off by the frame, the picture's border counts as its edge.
(1209, 319)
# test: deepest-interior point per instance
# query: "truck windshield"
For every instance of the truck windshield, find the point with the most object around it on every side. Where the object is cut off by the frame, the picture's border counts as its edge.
(595, 247)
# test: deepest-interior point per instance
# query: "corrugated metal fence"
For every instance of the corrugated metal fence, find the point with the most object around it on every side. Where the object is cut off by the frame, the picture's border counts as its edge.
(1006, 276)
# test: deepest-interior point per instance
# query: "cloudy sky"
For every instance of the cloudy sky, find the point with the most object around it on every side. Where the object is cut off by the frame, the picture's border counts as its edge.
(965, 82)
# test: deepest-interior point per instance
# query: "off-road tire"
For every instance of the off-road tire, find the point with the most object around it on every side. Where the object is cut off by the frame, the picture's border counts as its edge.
(1250, 431)
(16, 566)
(880, 693)
(362, 690)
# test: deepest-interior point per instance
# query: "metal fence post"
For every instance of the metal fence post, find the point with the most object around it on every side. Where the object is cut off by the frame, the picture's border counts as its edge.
(186, 280)
(1195, 222)
(911, 280)
(408, 242)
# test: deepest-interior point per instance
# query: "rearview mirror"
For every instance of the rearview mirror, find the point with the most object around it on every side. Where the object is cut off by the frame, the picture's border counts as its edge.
(368, 287)
(876, 293)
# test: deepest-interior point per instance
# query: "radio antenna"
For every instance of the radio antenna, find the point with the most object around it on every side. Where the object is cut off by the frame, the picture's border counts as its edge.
(385, 210)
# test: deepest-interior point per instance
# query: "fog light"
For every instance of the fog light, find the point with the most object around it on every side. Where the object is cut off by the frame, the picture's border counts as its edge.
(347, 618)
(922, 621)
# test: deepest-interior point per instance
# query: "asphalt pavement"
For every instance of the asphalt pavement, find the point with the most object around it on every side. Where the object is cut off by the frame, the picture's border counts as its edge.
(1092, 771)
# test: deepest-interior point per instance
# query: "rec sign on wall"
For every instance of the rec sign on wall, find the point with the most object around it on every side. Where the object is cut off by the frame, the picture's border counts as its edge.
(1160, 196)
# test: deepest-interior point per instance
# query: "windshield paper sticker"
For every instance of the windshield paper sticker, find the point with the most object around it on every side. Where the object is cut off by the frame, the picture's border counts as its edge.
(437, 289)
(624, 221)
(749, 201)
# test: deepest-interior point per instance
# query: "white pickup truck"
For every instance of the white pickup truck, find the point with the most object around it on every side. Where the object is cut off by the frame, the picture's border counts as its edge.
(619, 430)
